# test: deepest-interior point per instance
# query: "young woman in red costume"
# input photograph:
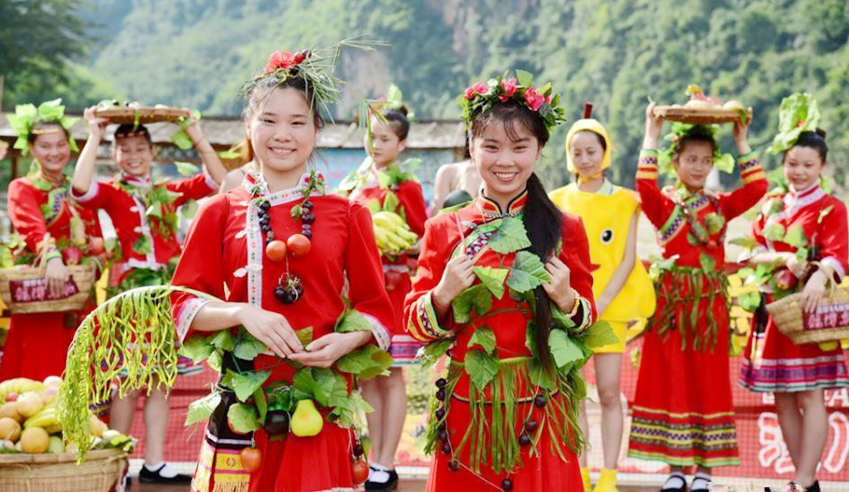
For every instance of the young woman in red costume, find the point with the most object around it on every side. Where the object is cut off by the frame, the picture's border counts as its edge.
(385, 182)
(683, 412)
(504, 286)
(798, 374)
(279, 252)
(54, 228)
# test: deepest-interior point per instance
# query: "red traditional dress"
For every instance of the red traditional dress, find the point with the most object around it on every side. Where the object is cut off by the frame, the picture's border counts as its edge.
(37, 343)
(773, 362)
(224, 256)
(683, 412)
(369, 184)
(476, 434)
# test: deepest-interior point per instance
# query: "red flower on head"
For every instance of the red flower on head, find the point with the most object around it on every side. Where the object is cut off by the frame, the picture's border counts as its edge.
(509, 88)
(548, 99)
(533, 98)
(800, 123)
(479, 88)
(280, 60)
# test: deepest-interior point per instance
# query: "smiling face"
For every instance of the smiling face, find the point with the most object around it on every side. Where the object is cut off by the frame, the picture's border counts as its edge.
(587, 153)
(504, 161)
(386, 145)
(802, 167)
(693, 163)
(282, 129)
(134, 154)
(50, 148)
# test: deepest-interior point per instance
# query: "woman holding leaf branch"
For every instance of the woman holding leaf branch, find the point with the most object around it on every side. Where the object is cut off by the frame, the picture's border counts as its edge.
(683, 412)
(802, 245)
(504, 288)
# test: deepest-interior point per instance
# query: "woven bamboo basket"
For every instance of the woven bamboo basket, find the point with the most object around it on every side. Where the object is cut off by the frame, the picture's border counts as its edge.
(699, 116)
(829, 323)
(60, 472)
(142, 114)
(83, 276)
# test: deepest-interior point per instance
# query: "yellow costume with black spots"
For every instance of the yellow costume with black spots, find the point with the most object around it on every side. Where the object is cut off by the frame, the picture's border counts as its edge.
(607, 218)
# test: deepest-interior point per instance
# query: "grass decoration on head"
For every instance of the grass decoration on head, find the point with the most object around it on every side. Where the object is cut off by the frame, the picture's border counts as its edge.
(27, 116)
(722, 161)
(481, 96)
(798, 113)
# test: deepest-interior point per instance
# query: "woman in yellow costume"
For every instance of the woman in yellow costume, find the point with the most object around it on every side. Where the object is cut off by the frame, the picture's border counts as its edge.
(624, 293)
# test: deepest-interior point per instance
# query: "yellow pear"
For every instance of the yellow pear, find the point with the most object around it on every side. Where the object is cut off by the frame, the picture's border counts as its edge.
(306, 421)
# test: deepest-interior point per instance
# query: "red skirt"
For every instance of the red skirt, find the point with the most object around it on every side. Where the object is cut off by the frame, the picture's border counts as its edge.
(774, 363)
(403, 347)
(683, 412)
(37, 344)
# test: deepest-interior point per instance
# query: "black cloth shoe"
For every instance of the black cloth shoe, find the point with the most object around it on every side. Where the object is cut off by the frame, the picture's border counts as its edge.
(391, 484)
(815, 487)
(148, 476)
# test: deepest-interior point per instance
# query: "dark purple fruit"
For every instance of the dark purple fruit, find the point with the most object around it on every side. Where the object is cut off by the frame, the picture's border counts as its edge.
(446, 448)
(443, 435)
(440, 413)
(286, 295)
(358, 450)
(540, 401)
(440, 394)
(507, 484)
(454, 465)
(264, 205)
(307, 205)
(441, 382)
(307, 233)
(524, 439)
(307, 218)
(276, 423)
(269, 235)
(531, 425)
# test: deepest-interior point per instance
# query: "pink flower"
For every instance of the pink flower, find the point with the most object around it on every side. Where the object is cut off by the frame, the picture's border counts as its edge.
(280, 60)
(479, 88)
(533, 98)
(509, 87)
(548, 99)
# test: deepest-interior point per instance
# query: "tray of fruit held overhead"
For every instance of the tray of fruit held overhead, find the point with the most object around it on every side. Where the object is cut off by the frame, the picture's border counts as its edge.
(135, 113)
(704, 110)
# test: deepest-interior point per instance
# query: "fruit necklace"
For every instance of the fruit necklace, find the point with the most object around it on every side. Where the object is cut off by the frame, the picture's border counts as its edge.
(289, 287)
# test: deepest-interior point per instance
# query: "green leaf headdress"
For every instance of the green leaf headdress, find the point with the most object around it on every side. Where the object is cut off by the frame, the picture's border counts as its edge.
(723, 162)
(798, 113)
(481, 96)
(27, 116)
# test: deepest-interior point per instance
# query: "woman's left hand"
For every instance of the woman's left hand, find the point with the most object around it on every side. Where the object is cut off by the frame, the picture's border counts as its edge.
(814, 291)
(327, 349)
(558, 288)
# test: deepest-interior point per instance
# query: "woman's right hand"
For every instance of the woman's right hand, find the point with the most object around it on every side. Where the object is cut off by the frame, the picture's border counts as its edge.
(457, 277)
(272, 329)
(653, 126)
(57, 276)
(96, 125)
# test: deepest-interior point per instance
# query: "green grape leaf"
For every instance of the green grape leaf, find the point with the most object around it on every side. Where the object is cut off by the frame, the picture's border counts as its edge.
(795, 236)
(366, 362)
(599, 335)
(481, 368)
(429, 355)
(186, 168)
(304, 335)
(707, 262)
(564, 350)
(244, 384)
(476, 298)
(200, 410)
(248, 347)
(492, 278)
(242, 418)
(511, 236)
(352, 320)
(197, 348)
(484, 337)
(774, 232)
(222, 340)
(527, 273)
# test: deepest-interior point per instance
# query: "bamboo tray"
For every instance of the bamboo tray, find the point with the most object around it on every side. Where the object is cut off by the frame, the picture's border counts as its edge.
(700, 116)
(142, 114)
(60, 472)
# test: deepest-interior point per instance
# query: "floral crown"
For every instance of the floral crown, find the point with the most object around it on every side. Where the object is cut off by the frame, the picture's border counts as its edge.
(798, 113)
(27, 116)
(722, 161)
(481, 96)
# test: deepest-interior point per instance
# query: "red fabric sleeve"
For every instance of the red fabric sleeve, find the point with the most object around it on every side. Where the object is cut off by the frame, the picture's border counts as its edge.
(193, 188)
(747, 196)
(415, 209)
(25, 213)
(100, 195)
(366, 289)
(576, 255)
(200, 267)
(834, 238)
(657, 206)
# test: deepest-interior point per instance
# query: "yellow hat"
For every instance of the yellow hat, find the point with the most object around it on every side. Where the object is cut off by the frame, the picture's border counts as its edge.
(588, 124)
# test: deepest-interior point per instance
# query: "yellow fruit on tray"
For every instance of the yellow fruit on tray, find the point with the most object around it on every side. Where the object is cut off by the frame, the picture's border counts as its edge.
(54, 381)
(9, 429)
(10, 409)
(55, 445)
(733, 105)
(96, 426)
(30, 404)
(35, 440)
(698, 103)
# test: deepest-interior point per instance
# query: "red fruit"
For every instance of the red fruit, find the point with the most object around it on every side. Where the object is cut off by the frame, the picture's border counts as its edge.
(72, 255)
(359, 471)
(276, 250)
(251, 459)
(96, 246)
(299, 245)
(785, 280)
(12, 396)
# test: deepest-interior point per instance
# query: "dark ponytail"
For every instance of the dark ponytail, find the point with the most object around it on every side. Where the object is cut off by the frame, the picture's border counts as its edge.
(814, 140)
(542, 220)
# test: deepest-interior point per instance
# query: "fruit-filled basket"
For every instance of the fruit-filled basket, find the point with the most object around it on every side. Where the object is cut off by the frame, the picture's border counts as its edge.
(24, 472)
(704, 110)
(135, 113)
(828, 323)
(24, 289)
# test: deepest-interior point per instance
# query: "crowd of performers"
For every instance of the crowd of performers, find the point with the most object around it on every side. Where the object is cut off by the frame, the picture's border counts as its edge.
(517, 286)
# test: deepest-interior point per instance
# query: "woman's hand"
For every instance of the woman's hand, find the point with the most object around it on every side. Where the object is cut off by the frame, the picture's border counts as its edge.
(57, 276)
(270, 328)
(653, 126)
(558, 288)
(327, 349)
(457, 277)
(195, 133)
(96, 125)
(814, 292)
(741, 135)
